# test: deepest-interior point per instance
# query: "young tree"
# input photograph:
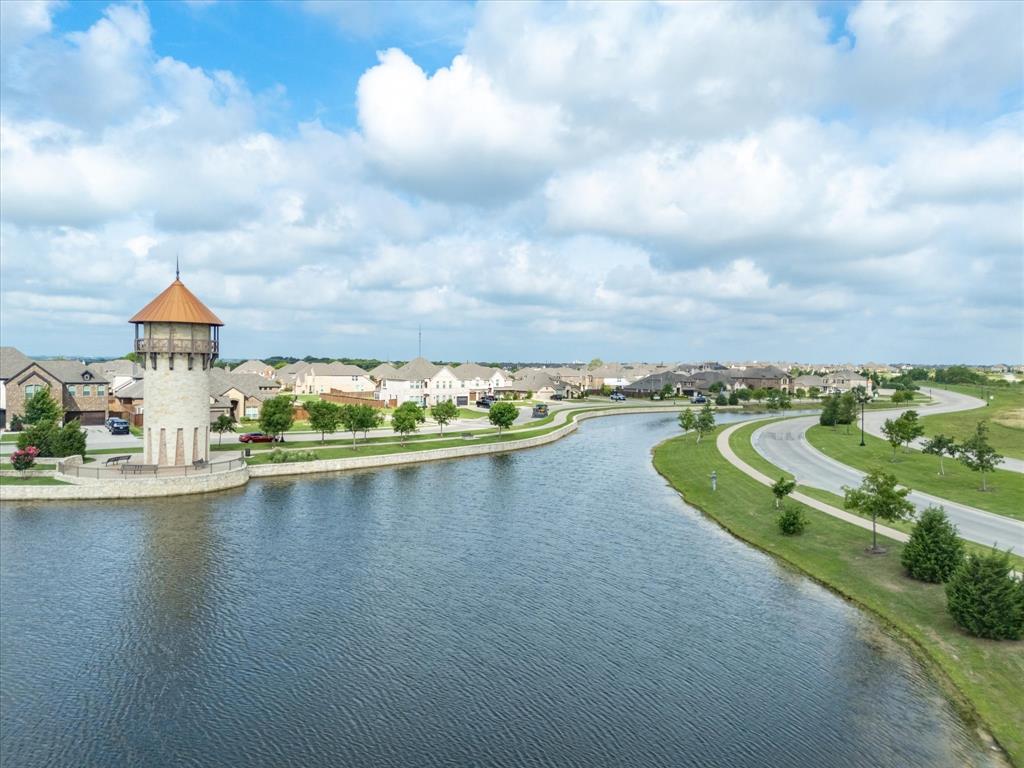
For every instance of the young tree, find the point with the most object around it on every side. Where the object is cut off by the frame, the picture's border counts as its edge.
(879, 497)
(800, 393)
(743, 394)
(983, 597)
(941, 446)
(377, 421)
(814, 393)
(716, 387)
(324, 417)
(70, 440)
(687, 420)
(758, 394)
(934, 551)
(734, 399)
(847, 410)
(42, 407)
(705, 421)
(444, 413)
(666, 392)
(277, 415)
(791, 521)
(892, 429)
(367, 418)
(978, 455)
(407, 418)
(781, 489)
(721, 399)
(910, 428)
(221, 425)
(502, 415)
(772, 400)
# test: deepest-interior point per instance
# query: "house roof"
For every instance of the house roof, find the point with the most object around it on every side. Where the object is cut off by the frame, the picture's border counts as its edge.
(336, 369)
(177, 304)
(12, 361)
(72, 372)
(250, 366)
(418, 369)
(119, 367)
(385, 371)
(136, 391)
(532, 380)
(292, 370)
(758, 372)
(132, 391)
(248, 384)
(468, 371)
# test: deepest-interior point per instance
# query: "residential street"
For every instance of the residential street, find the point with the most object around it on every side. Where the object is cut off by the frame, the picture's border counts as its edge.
(785, 445)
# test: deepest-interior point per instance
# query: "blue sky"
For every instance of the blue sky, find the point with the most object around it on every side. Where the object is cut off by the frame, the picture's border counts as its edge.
(525, 181)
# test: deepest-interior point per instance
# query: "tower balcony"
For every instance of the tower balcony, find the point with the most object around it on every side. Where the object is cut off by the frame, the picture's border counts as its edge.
(168, 346)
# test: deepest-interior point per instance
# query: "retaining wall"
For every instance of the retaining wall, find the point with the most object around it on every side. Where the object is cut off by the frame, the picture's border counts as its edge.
(139, 488)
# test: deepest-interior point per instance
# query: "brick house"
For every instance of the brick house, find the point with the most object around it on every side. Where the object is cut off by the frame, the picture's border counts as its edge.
(80, 389)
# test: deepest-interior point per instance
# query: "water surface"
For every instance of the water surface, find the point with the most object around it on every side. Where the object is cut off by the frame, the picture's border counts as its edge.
(553, 607)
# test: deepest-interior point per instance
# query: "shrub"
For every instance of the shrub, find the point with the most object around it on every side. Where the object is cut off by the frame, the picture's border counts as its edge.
(721, 399)
(984, 599)
(934, 551)
(70, 440)
(17, 424)
(52, 440)
(24, 458)
(792, 521)
(280, 456)
(734, 399)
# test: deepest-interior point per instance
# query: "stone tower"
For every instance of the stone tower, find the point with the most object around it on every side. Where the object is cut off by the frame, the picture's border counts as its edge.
(177, 339)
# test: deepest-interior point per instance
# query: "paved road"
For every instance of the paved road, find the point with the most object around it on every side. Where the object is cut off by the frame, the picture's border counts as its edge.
(785, 445)
(945, 402)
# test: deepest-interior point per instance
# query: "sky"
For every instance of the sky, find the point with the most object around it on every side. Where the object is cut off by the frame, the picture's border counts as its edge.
(659, 182)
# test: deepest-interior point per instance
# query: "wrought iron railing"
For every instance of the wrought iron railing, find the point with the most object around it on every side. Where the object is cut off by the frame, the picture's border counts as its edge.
(132, 470)
(178, 346)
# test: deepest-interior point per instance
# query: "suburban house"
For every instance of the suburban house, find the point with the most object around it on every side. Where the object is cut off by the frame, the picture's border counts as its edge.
(539, 384)
(80, 389)
(11, 362)
(128, 402)
(289, 373)
(832, 383)
(760, 377)
(421, 381)
(258, 367)
(243, 392)
(656, 383)
(119, 372)
(320, 378)
(479, 380)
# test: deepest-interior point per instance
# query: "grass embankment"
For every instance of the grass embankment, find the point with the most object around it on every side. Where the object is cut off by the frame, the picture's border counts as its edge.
(1005, 494)
(30, 481)
(987, 676)
(739, 441)
(1004, 413)
(469, 413)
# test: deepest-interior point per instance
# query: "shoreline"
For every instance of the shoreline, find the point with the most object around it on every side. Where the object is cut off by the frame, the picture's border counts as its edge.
(903, 632)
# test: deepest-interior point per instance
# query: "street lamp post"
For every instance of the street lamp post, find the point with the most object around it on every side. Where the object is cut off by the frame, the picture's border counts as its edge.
(862, 398)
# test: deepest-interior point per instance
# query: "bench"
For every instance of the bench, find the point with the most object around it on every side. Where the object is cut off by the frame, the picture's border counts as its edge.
(116, 459)
(198, 463)
(138, 469)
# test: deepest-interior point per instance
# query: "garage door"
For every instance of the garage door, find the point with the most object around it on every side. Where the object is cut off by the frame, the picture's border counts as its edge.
(87, 418)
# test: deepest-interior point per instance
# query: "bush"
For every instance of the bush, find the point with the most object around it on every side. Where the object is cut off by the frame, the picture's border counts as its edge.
(280, 456)
(734, 399)
(792, 521)
(934, 551)
(52, 440)
(721, 399)
(24, 458)
(17, 424)
(70, 441)
(984, 599)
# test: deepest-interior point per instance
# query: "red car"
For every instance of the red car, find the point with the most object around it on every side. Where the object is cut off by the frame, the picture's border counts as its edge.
(257, 437)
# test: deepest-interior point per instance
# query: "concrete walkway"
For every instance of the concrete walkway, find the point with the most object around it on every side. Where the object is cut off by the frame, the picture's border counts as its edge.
(722, 443)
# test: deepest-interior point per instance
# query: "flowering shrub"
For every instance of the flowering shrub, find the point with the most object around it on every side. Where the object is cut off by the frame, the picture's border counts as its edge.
(24, 458)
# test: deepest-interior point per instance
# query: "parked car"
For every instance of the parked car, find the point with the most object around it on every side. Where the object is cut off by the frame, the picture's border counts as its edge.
(557, 396)
(540, 410)
(698, 399)
(258, 437)
(484, 402)
(618, 397)
(118, 426)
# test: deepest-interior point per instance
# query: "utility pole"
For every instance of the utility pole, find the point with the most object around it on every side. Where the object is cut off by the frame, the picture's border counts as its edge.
(419, 341)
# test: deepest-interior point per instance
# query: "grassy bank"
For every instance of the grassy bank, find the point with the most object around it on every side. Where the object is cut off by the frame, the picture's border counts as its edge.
(1005, 415)
(30, 481)
(1005, 494)
(986, 677)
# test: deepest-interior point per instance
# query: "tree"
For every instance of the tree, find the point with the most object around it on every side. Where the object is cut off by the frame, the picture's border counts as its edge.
(42, 407)
(785, 401)
(324, 417)
(667, 391)
(847, 410)
(716, 387)
(221, 425)
(277, 415)
(705, 421)
(444, 413)
(70, 440)
(983, 597)
(721, 399)
(758, 394)
(800, 393)
(734, 399)
(597, 362)
(814, 393)
(934, 551)
(959, 374)
(407, 418)
(941, 446)
(781, 489)
(502, 415)
(977, 455)
(132, 356)
(791, 521)
(376, 421)
(743, 394)
(910, 427)
(687, 420)
(902, 396)
(829, 416)
(772, 400)
(893, 432)
(879, 497)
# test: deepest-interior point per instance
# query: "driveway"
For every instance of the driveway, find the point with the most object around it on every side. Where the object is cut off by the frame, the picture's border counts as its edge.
(785, 445)
(96, 438)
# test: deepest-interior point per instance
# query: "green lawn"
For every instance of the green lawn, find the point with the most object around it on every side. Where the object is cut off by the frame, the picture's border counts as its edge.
(1005, 415)
(469, 413)
(739, 441)
(1005, 495)
(9, 437)
(30, 481)
(987, 677)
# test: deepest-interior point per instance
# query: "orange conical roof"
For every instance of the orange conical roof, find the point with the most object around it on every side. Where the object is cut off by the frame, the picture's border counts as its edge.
(177, 304)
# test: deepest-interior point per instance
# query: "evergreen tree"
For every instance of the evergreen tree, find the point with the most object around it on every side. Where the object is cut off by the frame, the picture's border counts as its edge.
(40, 407)
(984, 598)
(934, 551)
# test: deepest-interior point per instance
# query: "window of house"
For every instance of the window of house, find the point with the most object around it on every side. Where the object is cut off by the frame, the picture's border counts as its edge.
(86, 390)
(72, 390)
(252, 413)
(101, 390)
(31, 389)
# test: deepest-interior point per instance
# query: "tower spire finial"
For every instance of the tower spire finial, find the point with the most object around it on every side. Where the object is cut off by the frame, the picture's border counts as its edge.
(177, 268)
